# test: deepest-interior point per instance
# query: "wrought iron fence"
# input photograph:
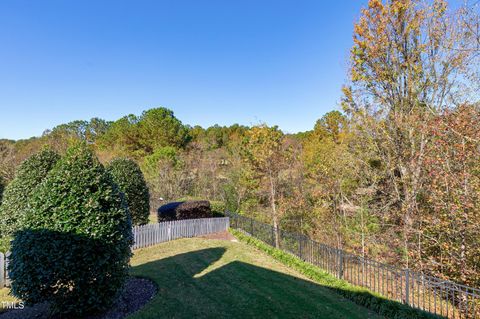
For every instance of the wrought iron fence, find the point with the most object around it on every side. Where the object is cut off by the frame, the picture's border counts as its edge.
(418, 290)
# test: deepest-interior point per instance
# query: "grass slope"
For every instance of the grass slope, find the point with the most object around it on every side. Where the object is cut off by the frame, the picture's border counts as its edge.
(199, 278)
(362, 296)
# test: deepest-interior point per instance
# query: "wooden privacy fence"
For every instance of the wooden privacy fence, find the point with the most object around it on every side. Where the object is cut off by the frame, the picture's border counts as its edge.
(152, 234)
(418, 290)
(4, 281)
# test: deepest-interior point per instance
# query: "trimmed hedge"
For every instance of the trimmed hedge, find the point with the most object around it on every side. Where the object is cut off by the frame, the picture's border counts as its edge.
(128, 176)
(75, 248)
(361, 296)
(167, 212)
(28, 177)
(194, 209)
(185, 210)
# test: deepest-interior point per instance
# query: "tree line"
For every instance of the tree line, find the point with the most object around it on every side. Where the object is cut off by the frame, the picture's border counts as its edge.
(394, 174)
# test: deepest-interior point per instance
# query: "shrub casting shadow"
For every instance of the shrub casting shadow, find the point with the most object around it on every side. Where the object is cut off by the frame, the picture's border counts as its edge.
(73, 273)
(188, 289)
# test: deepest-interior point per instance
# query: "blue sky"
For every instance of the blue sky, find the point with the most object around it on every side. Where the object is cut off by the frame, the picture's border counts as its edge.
(225, 62)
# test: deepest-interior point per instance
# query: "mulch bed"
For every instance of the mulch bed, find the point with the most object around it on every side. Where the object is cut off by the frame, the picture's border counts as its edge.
(224, 235)
(136, 293)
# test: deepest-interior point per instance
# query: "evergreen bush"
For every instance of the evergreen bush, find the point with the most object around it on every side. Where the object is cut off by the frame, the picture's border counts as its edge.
(75, 248)
(129, 178)
(28, 177)
(194, 209)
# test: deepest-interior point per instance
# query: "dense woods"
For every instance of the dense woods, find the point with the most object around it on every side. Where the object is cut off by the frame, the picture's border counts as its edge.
(394, 174)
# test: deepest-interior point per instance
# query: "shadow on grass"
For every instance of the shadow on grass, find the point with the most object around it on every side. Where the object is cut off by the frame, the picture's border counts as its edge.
(191, 285)
(361, 296)
(74, 273)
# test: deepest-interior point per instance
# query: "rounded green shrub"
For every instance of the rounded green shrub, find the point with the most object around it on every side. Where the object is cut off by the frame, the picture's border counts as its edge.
(75, 247)
(129, 178)
(29, 176)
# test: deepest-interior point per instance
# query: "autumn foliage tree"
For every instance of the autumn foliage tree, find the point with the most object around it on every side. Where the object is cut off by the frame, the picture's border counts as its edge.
(394, 176)
(407, 65)
(451, 226)
(325, 158)
(264, 152)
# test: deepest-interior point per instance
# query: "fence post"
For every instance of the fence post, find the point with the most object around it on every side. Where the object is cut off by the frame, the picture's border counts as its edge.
(300, 246)
(273, 236)
(340, 264)
(169, 231)
(407, 286)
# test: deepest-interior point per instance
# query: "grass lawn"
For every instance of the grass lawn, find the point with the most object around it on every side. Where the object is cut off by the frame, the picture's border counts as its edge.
(201, 278)
(204, 278)
(152, 218)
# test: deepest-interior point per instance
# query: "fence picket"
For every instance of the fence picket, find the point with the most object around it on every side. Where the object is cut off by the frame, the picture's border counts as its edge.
(5, 272)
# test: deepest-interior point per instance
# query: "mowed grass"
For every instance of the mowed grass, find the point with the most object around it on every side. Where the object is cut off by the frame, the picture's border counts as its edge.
(201, 278)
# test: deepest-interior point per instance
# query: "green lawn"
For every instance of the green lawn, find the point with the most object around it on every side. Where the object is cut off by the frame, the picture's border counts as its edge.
(200, 278)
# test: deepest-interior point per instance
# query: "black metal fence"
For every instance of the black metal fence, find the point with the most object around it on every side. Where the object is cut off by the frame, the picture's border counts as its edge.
(415, 289)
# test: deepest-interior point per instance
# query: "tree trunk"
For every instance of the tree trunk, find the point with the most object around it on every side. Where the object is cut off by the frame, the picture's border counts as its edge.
(274, 211)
